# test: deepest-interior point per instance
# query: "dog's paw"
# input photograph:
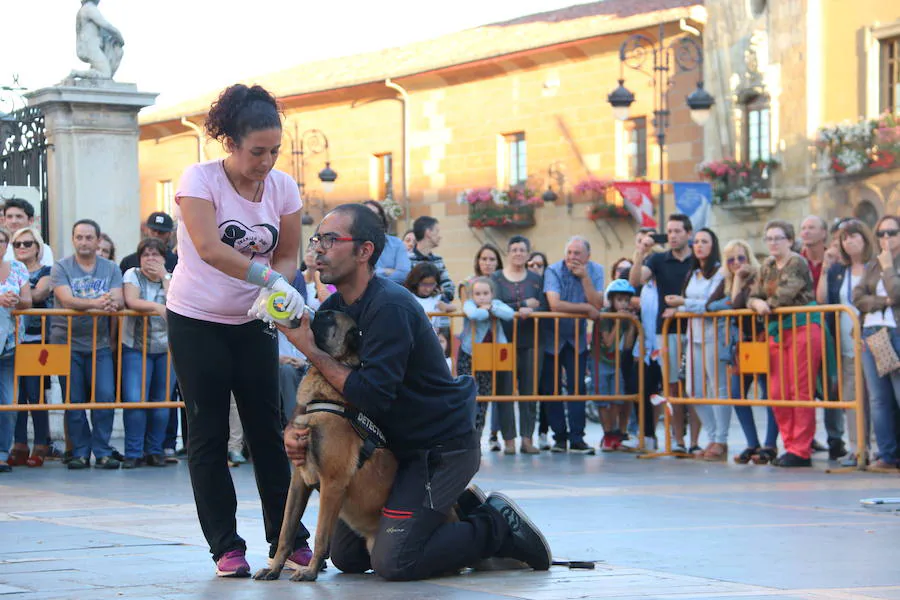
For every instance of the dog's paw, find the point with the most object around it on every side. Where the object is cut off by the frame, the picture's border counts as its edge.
(308, 573)
(267, 574)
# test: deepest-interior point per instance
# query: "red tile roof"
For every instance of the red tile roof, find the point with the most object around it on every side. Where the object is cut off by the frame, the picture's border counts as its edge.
(530, 32)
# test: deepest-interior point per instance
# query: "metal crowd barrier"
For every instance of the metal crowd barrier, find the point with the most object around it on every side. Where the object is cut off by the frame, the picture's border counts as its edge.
(753, 352)
(44, 359)
(494, 358)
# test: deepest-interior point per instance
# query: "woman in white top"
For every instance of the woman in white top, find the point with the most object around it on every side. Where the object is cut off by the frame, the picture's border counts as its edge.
(146, 377)
(707, 377)
(842, 270)
(878, 297)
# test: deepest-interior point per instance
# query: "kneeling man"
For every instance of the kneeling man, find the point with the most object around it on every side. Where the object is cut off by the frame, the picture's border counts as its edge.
(427, 416)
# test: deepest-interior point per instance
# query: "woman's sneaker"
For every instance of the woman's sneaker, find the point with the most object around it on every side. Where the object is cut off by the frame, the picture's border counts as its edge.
(543, 442)
(233, 564)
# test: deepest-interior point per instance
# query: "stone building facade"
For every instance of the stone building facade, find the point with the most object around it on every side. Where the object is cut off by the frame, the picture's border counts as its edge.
(780, 71)
(534, 87)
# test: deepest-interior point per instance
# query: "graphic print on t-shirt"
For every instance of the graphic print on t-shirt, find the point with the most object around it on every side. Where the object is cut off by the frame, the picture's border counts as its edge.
(256, 239)
(88, 287)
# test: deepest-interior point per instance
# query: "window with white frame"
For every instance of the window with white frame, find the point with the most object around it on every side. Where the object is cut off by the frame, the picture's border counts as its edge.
(636, 147)
(889, 84)
(756, 129)
(165, 196)
(514, 160)
(385, 175)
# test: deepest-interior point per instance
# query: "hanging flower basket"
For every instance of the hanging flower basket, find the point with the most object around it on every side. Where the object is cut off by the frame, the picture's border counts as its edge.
(500, 216)
(597, 211)
(490, 207)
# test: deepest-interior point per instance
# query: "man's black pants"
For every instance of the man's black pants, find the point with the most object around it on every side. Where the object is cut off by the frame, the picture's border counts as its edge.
(415, 541)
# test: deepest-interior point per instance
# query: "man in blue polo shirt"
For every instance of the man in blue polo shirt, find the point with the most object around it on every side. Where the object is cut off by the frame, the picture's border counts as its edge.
(573, 285)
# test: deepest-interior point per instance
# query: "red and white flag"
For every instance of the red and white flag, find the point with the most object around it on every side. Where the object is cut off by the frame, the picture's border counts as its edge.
(637, 200)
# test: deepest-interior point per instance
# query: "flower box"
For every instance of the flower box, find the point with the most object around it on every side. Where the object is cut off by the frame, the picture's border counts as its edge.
(598, 211)
(509, 216)
(864, 147)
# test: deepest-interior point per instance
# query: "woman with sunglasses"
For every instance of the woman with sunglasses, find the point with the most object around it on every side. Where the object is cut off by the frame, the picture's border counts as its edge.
(238, 232)
(843, 267)
(878, 297)
(15, 293)
(28, 247)
(795, 341)
(741, 273)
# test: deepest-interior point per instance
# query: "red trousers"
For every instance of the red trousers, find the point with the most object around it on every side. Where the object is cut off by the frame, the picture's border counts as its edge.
(793, 367)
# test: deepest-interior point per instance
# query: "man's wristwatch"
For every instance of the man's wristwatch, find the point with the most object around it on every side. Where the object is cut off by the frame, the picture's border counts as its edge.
(167, 276)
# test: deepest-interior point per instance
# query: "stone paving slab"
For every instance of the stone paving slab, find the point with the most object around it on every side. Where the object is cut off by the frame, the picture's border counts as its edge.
(662, 529)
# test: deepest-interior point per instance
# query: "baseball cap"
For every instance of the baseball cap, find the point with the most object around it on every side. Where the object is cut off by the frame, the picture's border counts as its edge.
(160, 221)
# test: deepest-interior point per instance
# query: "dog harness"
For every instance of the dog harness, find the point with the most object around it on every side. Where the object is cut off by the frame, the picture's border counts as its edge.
(368, 432)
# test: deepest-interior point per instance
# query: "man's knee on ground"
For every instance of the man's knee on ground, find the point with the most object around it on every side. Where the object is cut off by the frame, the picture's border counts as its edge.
(391, 569)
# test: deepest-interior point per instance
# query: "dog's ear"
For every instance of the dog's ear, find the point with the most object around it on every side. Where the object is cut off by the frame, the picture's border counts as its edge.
(351, 340)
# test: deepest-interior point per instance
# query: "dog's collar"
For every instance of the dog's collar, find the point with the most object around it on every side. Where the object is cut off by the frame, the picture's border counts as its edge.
(372, 437)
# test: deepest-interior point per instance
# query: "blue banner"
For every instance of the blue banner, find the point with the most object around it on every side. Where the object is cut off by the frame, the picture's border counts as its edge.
(694, 200)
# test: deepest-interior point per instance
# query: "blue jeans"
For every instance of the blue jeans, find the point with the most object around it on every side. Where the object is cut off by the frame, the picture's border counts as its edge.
(94, 437)
(30, 393)
(561, 414)
(7, 419)
(745, 413)
(606, 384)
(884, 399)
(145, 429)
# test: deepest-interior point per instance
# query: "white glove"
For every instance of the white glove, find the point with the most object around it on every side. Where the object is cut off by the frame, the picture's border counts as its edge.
(258, 308)
(293, 302)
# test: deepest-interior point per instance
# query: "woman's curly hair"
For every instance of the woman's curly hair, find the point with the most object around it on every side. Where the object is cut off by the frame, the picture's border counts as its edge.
(240, 110)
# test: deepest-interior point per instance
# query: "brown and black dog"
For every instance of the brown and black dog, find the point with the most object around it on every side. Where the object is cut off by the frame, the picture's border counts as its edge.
(347, 491)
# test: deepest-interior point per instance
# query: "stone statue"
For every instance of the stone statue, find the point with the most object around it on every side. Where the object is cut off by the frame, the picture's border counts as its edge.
(97, 43)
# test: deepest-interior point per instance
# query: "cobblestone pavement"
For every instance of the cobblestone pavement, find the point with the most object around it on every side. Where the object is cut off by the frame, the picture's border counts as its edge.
(657, 529)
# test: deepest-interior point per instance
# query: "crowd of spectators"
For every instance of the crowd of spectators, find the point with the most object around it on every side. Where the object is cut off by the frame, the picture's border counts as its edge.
(597, 354)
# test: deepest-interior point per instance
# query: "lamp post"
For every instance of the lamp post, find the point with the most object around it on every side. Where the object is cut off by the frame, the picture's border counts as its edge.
(682, 54)
(310, 142)
(554, 173)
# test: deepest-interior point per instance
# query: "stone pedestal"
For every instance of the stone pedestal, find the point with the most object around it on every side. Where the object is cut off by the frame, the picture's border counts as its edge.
(92, 160)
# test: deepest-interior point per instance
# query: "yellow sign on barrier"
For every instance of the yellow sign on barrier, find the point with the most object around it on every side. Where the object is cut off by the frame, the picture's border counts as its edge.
(753, 358)
(492, 357)
(42, 359)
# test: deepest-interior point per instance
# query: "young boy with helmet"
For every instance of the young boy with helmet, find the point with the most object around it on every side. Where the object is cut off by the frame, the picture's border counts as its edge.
(612, 344)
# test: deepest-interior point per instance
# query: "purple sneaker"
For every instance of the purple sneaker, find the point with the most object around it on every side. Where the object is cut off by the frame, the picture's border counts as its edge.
(232, 564)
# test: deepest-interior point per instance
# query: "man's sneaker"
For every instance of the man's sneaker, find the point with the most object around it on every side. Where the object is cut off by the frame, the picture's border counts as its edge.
(232, 564)
(155, 460)
(77, 462)
(816, 447)
(494, 443)
(235, 458)
(559, 447)
(117, 455)
(169, 453)
(836, 449)
(543, 442)
(792, 460)
(525, 542)
(580, 448)
(107, 463)
(471, 498)
(131, 463)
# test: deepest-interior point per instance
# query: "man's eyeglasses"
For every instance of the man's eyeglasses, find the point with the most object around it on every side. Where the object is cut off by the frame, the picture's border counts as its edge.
(326, 240)
(25, 244)
(774, 239)
(883, 233)
(741, 259)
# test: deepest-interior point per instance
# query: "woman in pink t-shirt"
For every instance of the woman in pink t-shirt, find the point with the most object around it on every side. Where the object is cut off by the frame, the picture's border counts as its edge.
(239, 230)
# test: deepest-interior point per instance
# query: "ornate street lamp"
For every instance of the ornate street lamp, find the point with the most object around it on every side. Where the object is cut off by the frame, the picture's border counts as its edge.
(682, 54)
